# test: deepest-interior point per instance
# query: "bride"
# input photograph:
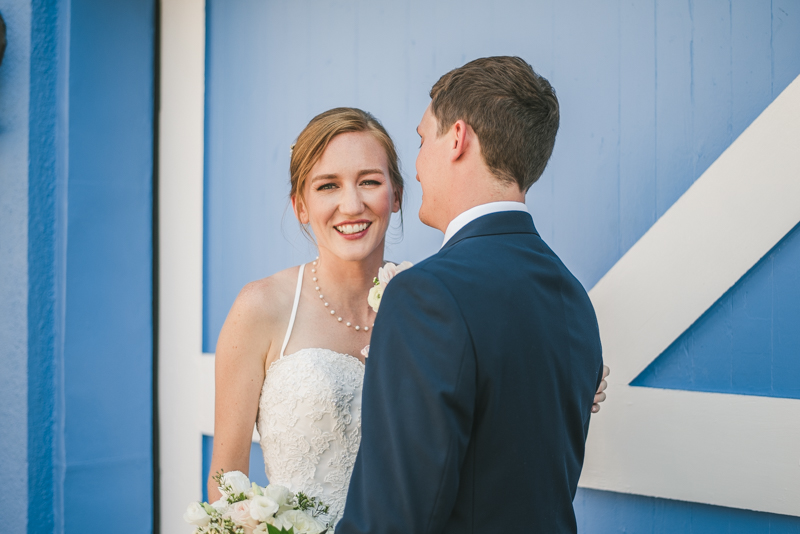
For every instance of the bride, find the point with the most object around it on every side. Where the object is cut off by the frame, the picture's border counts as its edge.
(289, 356)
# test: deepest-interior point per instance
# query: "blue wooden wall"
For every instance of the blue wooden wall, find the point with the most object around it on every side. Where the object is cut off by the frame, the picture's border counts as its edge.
(14, 99)
(108, 345)
(76, 178)
(651, 94)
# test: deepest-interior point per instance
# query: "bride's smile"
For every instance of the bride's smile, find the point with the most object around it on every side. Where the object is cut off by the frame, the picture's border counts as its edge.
(354, 229)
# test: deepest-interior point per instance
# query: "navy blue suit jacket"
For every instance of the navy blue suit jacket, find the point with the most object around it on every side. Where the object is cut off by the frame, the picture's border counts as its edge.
(478, 390)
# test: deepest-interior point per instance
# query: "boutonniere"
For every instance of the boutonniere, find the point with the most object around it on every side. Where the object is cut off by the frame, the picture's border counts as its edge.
(385, 274)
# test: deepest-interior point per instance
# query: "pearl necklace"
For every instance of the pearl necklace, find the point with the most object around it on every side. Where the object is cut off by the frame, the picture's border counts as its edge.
(326, 304)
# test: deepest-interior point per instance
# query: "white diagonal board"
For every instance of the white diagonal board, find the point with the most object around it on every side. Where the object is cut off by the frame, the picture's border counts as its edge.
(729, 450)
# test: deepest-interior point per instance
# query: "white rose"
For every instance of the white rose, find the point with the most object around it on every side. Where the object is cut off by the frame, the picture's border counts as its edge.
(386, 273)
(390, 270)
(279, 494)
(196, 515)
(262, 508)
(374, 297)
(302, 522)
(240, 514)
(221, 506)
(238, 482)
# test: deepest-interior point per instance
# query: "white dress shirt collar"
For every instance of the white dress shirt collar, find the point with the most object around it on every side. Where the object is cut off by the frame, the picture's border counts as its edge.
(479, 211)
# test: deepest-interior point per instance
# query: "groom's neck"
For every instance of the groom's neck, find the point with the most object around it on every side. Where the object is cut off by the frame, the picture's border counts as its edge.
(477, 192)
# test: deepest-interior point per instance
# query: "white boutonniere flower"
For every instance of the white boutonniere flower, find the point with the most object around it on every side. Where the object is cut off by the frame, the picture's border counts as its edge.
(385, 274)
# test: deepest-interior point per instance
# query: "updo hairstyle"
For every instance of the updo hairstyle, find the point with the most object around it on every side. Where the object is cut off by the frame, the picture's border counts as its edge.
(314, 139)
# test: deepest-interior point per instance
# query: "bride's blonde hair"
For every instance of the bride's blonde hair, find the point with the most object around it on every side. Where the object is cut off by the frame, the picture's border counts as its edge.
(314, 139)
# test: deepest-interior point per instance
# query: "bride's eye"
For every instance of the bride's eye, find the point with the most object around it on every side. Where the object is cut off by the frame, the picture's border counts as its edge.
(370, 182)
(326, 186)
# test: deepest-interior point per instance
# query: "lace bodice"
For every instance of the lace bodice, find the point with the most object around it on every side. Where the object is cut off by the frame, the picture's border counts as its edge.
(309, 422)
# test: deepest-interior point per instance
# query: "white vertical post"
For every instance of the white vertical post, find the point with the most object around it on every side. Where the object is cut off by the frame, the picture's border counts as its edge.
(181, 257)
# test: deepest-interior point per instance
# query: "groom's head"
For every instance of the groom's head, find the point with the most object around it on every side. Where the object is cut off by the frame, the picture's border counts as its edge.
(487, 135)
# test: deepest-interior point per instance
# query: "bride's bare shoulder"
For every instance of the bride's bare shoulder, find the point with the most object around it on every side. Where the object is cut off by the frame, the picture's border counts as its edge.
(260, 312)
(268, 299)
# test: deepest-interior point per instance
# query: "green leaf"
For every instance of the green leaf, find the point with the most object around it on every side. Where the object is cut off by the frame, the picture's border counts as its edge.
(274, 530)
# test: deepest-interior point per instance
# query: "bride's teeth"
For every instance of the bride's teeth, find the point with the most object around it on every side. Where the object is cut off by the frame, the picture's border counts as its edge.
(352, 228)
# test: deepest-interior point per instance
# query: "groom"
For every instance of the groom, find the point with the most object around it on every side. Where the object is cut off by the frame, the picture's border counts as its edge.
(486, 356)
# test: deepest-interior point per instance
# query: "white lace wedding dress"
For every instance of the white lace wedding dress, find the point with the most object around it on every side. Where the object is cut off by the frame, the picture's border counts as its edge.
(309, 419)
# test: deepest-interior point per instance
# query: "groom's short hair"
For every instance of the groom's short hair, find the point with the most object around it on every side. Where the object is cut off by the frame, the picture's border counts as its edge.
(513, 111)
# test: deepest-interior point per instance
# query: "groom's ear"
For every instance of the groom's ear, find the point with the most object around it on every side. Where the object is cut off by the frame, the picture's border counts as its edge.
(300, 210)
(459, 139)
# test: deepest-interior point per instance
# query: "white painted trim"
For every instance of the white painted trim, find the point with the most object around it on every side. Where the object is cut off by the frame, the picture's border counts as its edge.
(181, 257)
(721, 449)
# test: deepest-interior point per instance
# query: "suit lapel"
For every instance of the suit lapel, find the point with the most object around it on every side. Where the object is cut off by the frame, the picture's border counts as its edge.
(504, 222)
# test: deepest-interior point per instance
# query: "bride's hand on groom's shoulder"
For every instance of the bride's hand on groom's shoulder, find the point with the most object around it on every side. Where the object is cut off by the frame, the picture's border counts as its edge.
(600, 396)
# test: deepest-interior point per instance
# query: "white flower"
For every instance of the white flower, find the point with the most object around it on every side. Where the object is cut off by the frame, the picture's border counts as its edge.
(221, 506)
(279, 494)
(196, 515)
(238, 482)
(240, 514)
(374, 297)
(388, 271)
(385, 275)
(262, 508)
(302, 522)
(255, 489)
(365, 352)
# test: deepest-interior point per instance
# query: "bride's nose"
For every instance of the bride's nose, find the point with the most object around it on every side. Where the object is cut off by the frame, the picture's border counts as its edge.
(351, 201)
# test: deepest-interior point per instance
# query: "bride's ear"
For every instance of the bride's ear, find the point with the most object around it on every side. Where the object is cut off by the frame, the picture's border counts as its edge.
(398, 194)
(300, 210)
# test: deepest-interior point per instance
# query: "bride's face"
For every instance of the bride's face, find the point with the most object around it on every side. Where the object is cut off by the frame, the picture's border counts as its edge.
(349, 198)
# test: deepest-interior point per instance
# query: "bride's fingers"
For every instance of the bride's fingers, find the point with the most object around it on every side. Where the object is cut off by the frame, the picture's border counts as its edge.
(600, 396)
(602, 387)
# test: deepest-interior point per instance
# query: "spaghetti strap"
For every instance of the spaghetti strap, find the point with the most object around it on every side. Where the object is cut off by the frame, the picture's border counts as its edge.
(294, 308)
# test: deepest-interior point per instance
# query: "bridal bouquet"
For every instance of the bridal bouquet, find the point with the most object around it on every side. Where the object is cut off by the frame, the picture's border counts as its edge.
(247, 508)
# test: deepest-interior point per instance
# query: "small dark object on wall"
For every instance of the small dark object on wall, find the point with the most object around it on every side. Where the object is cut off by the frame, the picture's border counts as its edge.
(2, 38)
